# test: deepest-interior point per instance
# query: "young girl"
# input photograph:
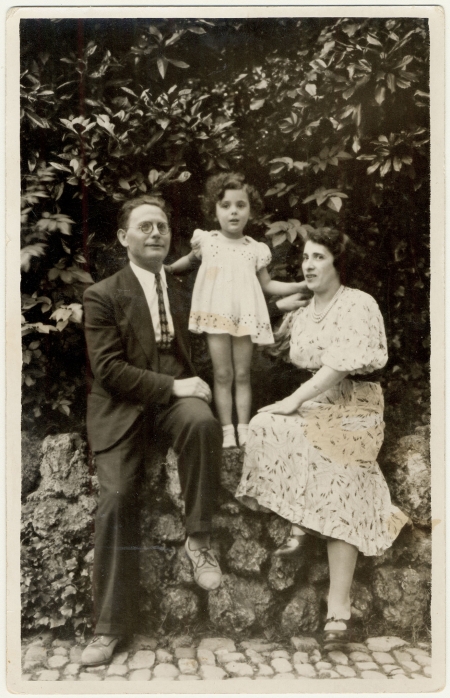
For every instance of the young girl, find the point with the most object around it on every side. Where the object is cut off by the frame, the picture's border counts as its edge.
(228, 302)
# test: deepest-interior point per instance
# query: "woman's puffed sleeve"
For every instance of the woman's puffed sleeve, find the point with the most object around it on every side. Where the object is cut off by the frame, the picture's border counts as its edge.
(359, 340)
(197, 241)
(264, 256)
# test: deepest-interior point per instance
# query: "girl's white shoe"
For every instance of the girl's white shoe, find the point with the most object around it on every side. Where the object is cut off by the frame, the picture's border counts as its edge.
(242, 430)
(229, 437)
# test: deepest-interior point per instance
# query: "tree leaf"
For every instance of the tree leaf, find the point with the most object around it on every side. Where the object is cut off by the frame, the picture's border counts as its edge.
(385, 167)
(124, 184)
(311, 89)
(373, 167)
(373, 41)
(162, 64)
(179, 64)
(335, 203)
(380, 94)
(256, 104)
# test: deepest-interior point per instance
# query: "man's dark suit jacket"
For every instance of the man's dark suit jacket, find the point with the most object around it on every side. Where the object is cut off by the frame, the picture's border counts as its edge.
(123, 354)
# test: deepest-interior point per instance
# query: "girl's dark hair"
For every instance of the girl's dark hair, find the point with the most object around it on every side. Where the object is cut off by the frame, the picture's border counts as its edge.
(217, 185)
(131, 204)
(346, 255)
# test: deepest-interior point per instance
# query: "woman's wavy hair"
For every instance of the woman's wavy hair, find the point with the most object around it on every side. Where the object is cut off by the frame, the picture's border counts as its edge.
(346, 255)
(128, 207)
(217, 185)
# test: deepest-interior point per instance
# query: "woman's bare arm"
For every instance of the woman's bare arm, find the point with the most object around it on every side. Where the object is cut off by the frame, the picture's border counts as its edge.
(323, 380)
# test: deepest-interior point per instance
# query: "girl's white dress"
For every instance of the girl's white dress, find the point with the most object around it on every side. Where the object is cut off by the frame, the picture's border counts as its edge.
(227, 296)
(317, 467)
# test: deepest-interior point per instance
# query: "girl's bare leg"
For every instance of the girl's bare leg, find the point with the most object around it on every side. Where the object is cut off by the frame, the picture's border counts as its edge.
(342, 561)
(219, 346)
(242, 348)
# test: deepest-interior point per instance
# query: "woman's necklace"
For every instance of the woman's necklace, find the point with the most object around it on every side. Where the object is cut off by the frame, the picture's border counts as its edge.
(318, 317)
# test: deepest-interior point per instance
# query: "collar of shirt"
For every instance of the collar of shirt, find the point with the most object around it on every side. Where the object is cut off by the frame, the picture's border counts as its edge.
(147, 278)
(148, 283)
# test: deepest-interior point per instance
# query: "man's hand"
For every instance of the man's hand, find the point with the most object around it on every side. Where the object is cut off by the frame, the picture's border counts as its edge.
(296, 300)
(192, 387)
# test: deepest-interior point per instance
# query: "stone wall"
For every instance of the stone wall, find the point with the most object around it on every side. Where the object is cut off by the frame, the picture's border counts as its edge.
(260, 593)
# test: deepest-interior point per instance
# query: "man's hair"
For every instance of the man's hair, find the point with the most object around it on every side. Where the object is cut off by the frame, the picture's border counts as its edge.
(216, 187)
(128, 207)
(345, 253)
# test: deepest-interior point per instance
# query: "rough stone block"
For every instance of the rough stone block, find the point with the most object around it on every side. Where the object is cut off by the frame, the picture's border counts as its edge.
(140, 675)
(206, 657)
(120, 658)
(143, 659)
(246, 556)
(217, 643)
(212, 673)
(306, 670)
(265, 670)
(163, 656)
(188, 666)
(368, 674)
(281, 665)
(185, 652)
(304, 644)
(179, 606)
(345, 671)
(239, 669)
(300, 658)
(337, 657)
(166, 671)
(239, 603)
(57, 661)
(302, 612)
(49, 675)
(410, 475)
(117, 670)
(382, 657)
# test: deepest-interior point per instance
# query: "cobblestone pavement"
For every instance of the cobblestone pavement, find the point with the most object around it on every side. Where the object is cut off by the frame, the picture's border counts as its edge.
(220, 658)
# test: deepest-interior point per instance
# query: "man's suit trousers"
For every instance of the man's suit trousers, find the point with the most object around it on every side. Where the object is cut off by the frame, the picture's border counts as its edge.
(196, 436)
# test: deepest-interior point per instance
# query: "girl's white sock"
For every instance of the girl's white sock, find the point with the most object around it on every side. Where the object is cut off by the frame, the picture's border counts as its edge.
(242, 430)
(229, 437)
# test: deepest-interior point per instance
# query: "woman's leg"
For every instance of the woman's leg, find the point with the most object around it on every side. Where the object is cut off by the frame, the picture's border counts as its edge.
(242, 358)
(219, 346)
(342, 561)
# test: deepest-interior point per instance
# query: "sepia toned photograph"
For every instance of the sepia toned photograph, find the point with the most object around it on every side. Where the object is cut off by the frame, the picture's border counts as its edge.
(226, 402)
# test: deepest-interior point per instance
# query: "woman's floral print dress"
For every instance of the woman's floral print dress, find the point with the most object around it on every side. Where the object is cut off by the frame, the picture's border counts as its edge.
(317, 467)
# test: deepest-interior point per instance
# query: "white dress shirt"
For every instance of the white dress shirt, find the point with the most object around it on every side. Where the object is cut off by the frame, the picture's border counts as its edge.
(148, 283)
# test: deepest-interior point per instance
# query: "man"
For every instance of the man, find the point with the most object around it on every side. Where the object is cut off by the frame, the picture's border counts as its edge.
(144, 387)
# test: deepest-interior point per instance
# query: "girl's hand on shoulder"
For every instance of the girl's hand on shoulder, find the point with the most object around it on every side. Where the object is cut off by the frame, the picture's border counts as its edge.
(292, 302)
(303, 289)
(289, 405)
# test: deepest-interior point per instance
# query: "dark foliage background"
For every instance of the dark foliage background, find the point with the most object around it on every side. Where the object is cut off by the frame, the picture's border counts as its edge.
(329, 118)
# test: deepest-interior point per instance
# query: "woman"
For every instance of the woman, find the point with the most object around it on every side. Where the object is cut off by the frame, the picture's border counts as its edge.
(311, 457)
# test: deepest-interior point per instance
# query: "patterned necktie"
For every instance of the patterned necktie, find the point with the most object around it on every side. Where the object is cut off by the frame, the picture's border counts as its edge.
(166, 341)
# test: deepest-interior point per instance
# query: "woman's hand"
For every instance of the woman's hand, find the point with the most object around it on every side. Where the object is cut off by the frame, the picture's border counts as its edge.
(289, 405)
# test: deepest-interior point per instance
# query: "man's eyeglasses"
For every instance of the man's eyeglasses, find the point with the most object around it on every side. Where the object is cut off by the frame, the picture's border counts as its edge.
(148, 226)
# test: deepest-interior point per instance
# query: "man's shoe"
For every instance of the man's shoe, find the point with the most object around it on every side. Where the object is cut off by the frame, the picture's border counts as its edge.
(99, 650)
(207, 572)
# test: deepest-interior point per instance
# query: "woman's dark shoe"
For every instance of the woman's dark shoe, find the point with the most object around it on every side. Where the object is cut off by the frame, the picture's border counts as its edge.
(291, 546)
(341, 632)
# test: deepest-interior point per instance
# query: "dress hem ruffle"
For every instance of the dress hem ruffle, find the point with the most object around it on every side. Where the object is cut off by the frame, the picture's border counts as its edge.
(325, 528)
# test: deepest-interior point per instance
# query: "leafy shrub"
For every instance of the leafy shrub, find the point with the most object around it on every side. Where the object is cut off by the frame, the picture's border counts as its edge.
(328, 117)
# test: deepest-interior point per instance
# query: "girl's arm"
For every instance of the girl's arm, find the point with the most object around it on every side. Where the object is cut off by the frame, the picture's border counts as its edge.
(323, 380)
(182, 264)
(279, 288)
